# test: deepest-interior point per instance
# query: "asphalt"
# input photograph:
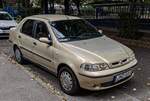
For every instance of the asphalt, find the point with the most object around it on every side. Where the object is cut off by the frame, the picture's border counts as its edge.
(17, 85)
(40, 85)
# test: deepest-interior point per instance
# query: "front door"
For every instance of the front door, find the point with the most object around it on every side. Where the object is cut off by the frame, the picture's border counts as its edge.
(43, 51)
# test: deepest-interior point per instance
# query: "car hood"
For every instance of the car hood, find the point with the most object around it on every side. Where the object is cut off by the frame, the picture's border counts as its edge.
(102, 49)
(7, 23)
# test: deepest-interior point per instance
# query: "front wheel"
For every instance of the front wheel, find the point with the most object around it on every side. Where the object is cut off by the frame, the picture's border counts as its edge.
(68, 81)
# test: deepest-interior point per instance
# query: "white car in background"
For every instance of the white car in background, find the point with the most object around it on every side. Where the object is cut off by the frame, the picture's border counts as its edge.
(6, 23)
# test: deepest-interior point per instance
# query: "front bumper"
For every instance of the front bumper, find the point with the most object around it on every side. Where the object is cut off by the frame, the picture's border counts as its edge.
(105, 81)
(4, 33)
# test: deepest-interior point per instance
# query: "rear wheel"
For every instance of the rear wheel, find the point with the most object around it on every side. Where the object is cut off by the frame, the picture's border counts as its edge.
(18, 55)
(68, 81)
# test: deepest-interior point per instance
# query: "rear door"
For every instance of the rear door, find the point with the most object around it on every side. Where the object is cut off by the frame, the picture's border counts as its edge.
(26, 38)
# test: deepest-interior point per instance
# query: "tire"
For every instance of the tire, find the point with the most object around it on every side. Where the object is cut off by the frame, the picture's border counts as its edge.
(73, 88)
(18, 55)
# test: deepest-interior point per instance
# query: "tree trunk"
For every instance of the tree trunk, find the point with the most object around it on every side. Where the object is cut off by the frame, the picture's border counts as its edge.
(26, 3)
(77, 2)
(51, 3)
(44, 5)
(66, 4)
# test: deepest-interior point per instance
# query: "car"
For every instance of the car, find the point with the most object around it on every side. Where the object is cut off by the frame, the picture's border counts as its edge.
(6, 23)
(80, 55)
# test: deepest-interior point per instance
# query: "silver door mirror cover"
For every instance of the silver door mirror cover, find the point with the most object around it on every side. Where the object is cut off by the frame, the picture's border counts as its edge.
(100, 31)
(45, 40)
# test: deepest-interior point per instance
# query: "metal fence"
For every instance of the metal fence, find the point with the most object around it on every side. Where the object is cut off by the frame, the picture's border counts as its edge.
(109, 16)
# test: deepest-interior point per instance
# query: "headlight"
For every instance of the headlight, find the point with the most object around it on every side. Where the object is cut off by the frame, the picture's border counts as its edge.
(94, 67)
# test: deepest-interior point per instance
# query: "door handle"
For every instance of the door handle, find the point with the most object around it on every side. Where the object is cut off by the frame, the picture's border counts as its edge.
(34, 43)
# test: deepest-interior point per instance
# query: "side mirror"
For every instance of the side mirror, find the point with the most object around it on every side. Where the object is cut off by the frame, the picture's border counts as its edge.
(100, 31)
(45, 40)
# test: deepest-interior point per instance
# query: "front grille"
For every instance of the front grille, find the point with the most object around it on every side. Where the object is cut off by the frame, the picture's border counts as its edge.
(6, 28)
(120, 63)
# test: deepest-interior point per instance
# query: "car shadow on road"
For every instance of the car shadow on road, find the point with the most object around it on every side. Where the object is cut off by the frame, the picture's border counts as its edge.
(106, 91)
(48, 77)
(132, 89)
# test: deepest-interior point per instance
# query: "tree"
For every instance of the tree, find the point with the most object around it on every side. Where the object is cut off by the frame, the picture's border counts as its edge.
(78, 2)
(67, 8)
(44, 5)
(51, 3)
(26, 3)
(146, 1)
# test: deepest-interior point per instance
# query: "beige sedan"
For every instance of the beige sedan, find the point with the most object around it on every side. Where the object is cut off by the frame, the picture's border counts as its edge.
(74, 50)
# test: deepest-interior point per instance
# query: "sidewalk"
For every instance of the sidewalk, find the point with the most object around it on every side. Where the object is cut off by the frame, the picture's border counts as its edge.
(16, 85)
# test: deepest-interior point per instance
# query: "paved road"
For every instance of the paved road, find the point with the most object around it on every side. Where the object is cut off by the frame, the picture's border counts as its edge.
(137, 89)
(17, 85)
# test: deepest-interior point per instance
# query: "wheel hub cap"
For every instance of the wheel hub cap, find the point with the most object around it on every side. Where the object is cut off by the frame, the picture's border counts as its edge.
(66, 81)
(18, 55)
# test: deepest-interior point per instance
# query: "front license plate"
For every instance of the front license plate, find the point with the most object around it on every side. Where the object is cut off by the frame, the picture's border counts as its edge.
(122, 76)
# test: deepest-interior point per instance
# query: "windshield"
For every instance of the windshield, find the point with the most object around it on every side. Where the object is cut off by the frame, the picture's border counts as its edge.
(5, 16)
(72, 30)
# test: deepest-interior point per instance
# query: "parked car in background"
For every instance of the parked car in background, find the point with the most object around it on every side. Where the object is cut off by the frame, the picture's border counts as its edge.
(74, 50)
(6, 23)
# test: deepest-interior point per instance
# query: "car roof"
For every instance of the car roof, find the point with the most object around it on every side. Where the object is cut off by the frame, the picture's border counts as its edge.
(54, 17)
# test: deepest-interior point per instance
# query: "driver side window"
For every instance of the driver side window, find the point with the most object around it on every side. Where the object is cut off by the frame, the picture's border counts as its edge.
(41, 30)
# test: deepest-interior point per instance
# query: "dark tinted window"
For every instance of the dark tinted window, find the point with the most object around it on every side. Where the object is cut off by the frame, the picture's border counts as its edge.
(5, 16)
(41, 30)
(27, 28)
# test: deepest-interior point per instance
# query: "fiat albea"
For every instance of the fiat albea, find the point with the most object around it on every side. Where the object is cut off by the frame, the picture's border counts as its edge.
(74, 50)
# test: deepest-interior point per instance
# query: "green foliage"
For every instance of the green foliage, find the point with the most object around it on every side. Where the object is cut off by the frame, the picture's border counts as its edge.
(32, 11)
(37, 2)
(24, 12)
(129, 25)
(146, 1)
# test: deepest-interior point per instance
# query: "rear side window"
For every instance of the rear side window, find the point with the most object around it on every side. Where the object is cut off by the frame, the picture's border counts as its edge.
(27, 28)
